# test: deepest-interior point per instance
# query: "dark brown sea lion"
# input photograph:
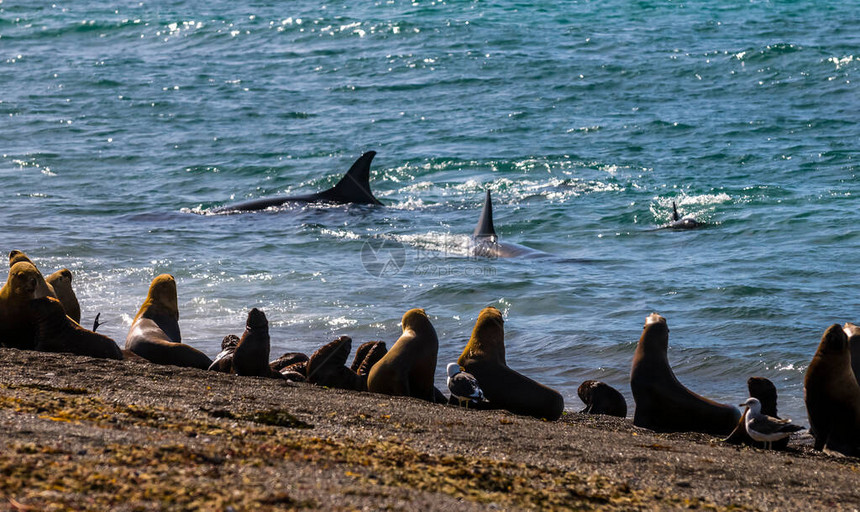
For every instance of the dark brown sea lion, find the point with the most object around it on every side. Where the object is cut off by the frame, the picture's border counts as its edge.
(154, 333)
(763, 390)
(224, 360)
(832, 395)
(17, 326)
(288, 359)
(484, 357)
(853, 333)
(57, 332)
(663, 403)
(251, 357)
(367, 355)
(601, 398)
(409, 367)
(61, 282)
(327, 367)
(297, 372)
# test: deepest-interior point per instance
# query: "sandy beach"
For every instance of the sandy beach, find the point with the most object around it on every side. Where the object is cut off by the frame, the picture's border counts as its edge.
(89, 434)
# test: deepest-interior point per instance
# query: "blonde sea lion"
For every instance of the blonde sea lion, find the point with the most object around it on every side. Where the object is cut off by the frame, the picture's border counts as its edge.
(408, 368)
(17, 326)
(59, 285)
(484, 357)
(154, 333)
(664, 404)
(57, 332)
(832, 395)
(61, 282)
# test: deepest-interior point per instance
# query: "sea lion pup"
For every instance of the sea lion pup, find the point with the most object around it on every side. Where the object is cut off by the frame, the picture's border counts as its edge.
(17, 325)
(664, 404)
(154, 333)
(57, 332)
(224, 360)
(251, 357)
(61, 282)
(601, 398)
(764, 391)
(327, 367)
(408, 368)
(832, 395)
(484, 357)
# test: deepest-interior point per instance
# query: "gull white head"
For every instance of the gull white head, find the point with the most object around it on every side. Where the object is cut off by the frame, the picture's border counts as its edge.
(753, 404)
(453, 369)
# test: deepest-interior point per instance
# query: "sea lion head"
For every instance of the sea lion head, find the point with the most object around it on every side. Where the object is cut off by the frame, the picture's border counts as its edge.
(655, 336)
(257, 320)
(415, 320)
(851, 329)
(488, 337)
(834, 342)
(63, 275)
(18, 256)
(26, 281)
(161, 299)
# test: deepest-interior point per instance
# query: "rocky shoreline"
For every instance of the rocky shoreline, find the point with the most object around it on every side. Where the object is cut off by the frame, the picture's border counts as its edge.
(90, 434)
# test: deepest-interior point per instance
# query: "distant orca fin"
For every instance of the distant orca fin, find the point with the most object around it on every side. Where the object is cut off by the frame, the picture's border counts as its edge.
(484, 229)
(675, 215)
(354, 187)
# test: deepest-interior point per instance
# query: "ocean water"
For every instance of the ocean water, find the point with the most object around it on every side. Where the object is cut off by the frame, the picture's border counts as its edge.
(124, 124)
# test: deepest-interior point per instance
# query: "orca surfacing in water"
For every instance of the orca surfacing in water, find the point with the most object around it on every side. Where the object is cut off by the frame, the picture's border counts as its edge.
(485, 242)
(354, 187)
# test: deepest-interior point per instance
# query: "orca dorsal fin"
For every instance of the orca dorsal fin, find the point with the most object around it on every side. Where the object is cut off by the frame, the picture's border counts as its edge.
(484, 229)
(675, 215)
(354, 187)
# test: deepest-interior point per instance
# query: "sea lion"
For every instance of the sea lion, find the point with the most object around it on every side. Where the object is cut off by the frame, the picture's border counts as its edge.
(367, 355)
(286, 360)
(853, 333)
(327, 367)
(62, 279)
(224, 360)
(61, 282)
(251, 357)
(764, 391)
(17, 326)
(832, 395)
(57, 332)
(601, 398)
(664, 404)
(484, 357)
(154, 333)
(408, 368)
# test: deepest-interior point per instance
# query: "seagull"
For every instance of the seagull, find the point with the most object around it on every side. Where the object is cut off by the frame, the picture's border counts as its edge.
(763, 428)
(463, 385)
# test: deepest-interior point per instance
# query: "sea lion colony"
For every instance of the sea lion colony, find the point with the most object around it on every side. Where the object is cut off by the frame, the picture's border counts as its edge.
(34, 315)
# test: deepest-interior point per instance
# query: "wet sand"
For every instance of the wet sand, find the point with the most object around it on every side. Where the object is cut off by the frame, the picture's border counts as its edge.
(87, 434)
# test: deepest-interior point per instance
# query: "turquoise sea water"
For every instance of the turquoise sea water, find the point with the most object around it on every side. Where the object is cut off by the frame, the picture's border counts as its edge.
(122, 125)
